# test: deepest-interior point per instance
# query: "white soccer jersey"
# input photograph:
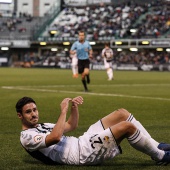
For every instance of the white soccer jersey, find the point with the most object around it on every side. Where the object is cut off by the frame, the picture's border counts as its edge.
(107, 53)
(33, 140)
(91, 148)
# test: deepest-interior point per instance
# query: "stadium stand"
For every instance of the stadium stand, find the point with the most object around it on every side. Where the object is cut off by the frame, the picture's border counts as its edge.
(102, 22)
(18, 27)
(105, 22)
(99, 21)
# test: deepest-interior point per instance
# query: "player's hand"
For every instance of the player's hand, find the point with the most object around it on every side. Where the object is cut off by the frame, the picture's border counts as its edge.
(64, 105)
(73, 52)
(91, 56)
(76, 101)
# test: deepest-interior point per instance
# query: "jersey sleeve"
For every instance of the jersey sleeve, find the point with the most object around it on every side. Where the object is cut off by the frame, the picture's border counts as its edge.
(32, 139)
(111, 51)
(73, 47)
(103, 51)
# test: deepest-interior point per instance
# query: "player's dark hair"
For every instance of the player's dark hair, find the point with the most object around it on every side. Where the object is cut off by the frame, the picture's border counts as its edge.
(22, 102)
(81, 31)
(107, 44)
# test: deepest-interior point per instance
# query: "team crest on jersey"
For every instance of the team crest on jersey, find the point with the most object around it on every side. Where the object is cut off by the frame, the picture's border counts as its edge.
(38, 138)
(106, 138)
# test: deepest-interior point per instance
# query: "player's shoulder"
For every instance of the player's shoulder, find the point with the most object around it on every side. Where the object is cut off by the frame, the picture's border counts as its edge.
(51, 125)
(27, 134)
(76, 42)
(86, 41)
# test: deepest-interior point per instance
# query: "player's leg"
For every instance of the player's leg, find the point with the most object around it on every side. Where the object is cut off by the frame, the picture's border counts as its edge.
(74, 67)
(111, 77)
(87, 74)
(132, 119)
(115, 117)
(74, 71)
(84, 74)
(87, 70)
(138, 140)
(110, 73)
(162, 146)
(123, 115)
(81, 71)
(107, 67)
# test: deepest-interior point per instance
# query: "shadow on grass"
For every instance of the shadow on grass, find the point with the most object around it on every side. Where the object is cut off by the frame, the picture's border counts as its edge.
(117, 163)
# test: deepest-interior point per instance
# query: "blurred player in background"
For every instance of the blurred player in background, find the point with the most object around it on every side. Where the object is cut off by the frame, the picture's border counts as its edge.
(107, 54)
(84, 52)
(74, 62)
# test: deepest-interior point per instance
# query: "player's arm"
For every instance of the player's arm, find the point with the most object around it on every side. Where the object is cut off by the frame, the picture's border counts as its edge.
(103, 53)
(73, 49)
(58, 130)
(73, 119)
(72, 52)
(111, 53)
(90, 50)
(91, 53)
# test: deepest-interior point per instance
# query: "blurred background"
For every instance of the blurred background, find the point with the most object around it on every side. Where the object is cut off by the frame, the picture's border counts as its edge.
(39, 33)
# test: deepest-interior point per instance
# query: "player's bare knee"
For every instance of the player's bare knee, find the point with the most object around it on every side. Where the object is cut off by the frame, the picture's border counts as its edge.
(123, 113)
(128, 127)
(83, 76)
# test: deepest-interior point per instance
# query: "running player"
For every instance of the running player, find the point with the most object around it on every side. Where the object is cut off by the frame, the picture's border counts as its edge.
(107, 54)
(47, 142)
(84, 52)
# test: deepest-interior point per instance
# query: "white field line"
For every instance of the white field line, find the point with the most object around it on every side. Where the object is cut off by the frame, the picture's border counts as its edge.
(84, 93)
(103, 85)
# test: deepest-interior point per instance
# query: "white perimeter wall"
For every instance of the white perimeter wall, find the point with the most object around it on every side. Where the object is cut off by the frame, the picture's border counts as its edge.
(43, 7)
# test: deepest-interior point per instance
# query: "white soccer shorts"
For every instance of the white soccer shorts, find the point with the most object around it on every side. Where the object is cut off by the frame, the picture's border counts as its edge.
(107, 64)
(97, 145)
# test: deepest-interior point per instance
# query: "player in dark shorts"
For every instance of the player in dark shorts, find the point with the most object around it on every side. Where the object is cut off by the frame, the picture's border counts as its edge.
(84, 52)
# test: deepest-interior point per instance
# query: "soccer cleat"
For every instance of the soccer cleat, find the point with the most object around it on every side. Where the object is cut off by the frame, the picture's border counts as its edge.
(75, 75)
(85, 90)
(164, 146)
(165, 160)
(110, 79)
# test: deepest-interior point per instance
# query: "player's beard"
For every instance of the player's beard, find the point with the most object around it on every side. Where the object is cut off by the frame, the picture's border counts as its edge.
(32, 122)
(81, 40)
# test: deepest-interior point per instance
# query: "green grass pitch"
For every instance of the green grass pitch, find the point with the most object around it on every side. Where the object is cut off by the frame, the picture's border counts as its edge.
(145, 94)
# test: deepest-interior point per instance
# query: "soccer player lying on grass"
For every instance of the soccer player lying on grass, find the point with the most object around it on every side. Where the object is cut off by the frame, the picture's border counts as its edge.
(47, 143)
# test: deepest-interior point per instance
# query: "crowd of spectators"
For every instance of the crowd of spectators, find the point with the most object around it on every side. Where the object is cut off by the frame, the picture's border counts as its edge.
(141, 57)
(14, 24)
(114, 21)
(98, 21)
(155, 23)
(102, 21)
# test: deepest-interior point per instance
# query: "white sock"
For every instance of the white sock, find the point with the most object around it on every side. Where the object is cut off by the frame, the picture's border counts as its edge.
(140, 142)
(142, 129)
(74, 70)
(110, 73)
